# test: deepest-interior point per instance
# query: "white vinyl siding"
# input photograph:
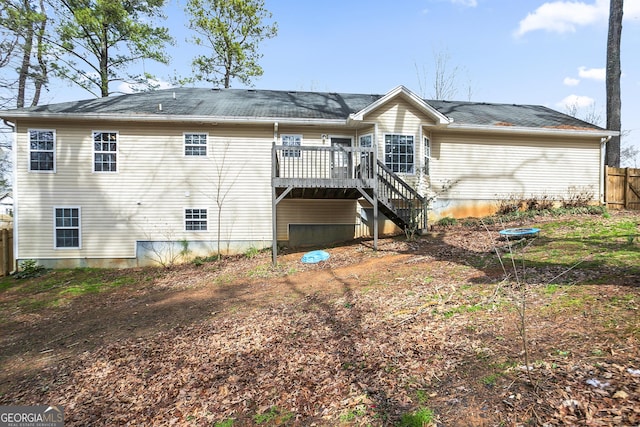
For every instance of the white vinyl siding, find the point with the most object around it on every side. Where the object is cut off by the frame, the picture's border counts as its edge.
(42, 150)
(146, 199)
(489, 167)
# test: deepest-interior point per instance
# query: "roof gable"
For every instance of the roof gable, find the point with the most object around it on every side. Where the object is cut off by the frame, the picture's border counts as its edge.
(406, 94)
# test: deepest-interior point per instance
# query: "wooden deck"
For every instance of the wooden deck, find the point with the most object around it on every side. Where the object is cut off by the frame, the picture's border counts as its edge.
(340, 172)
(323, 172)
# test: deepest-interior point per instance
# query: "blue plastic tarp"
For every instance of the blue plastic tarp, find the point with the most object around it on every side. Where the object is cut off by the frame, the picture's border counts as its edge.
(315, 256)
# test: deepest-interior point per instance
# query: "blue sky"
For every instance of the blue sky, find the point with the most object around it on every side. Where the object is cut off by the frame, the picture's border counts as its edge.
(550, 53)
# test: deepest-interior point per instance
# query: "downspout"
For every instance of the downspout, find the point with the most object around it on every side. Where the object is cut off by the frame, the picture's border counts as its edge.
(274, 198)
(14, 160)
(603, 145)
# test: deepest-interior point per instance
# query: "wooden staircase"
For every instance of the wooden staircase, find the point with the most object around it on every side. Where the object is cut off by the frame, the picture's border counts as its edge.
(400, 202)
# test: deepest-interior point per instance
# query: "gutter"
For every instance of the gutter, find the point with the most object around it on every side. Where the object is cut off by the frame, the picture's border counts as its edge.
(9, 124)
(14, 160)
(538, 131)
(166, 118)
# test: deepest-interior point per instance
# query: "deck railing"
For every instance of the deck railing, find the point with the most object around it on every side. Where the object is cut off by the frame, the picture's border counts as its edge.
(401, 199)
(331, 166)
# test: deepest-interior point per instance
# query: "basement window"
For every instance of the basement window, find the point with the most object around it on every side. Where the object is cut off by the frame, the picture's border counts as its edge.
(195, 219)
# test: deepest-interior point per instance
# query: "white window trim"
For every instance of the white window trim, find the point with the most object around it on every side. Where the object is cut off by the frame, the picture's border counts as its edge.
(55, 145)
(185, 219)
(364, 136)
(426, 146)
(413, 137)
(184, 145)
(55, 228)
(93, 147)
(285, 151)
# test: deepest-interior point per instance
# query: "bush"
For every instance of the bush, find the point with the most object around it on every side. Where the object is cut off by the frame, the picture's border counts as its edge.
(446, 221)
(29, 269)
(578, 197)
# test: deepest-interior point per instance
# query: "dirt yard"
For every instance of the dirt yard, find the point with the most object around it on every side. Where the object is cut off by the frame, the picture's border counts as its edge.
(361, 339)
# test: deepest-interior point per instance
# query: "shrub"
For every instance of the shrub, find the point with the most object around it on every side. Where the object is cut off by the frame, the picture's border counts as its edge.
(578, 197)
(29, 269)
(447, 221)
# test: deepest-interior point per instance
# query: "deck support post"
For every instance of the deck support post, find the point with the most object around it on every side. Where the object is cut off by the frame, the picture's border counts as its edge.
(274, 223)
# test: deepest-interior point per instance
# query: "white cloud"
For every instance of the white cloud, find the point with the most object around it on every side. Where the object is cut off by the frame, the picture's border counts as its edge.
(564, 16)
(592, 73)
(577, 101)
(631, 10)
(570, 81)
(468, 3)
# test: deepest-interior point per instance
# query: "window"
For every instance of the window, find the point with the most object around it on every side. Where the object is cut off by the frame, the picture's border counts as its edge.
(42, 149)
(427, 155)
(195, 219)
(398, 153)
(195, 144)
(67, 228)
(105, 151)
(366, 141)
(291, 141)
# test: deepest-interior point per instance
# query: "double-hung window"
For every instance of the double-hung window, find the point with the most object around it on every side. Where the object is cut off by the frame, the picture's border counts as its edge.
(366, 141)
(67, 228)
(195, 219)
(105, 151)
(195, 144)
(399, 153)
(42, 150)
(291, 141)
(427, 154)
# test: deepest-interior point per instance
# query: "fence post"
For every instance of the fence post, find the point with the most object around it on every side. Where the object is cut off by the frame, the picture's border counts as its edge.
(627, 185)
(4, 269)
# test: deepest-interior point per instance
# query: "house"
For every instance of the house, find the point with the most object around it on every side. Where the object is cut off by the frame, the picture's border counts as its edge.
(153, 177)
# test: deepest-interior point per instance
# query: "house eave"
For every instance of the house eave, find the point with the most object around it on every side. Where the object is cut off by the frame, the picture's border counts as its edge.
(172, 118)
(537, 131)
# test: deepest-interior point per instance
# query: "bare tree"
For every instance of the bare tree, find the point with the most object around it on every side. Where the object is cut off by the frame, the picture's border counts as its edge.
(592, 115)
(445, 84)
(613, 73)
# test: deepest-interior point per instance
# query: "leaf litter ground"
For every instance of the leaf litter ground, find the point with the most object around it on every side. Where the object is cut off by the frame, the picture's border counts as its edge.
(360, 339)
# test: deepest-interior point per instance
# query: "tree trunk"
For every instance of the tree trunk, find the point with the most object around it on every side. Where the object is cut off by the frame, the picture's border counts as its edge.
(25, 66)
(41, 77)
(614, 104)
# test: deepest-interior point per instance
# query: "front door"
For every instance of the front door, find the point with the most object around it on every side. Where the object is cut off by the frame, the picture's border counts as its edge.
(340, 159)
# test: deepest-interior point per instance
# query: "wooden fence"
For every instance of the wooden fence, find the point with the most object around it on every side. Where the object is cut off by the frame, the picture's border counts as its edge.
(6, 251)
(622, 188)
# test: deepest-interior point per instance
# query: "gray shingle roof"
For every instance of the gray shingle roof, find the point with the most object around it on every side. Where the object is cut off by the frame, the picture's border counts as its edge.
(271, 104)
